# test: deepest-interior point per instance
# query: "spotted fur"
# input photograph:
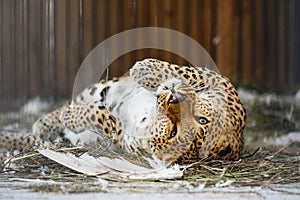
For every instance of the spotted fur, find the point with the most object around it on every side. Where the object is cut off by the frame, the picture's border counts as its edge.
(180, 114)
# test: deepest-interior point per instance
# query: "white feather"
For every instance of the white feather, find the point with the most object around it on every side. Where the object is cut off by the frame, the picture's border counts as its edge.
(111, 167)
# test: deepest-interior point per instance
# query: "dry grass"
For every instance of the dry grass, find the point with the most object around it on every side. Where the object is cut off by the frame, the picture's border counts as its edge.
(265, 167)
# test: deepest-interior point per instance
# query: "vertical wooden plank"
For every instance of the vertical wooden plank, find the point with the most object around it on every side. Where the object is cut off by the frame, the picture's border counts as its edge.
(167, 16)
(233, 42)
(195, 11)
(26, 47)
(60, 48)
(265, 33)
(153, 13)
(181, 23)
(7, 45)
(19, 50)
(213, 30)
(142, 19)
(90, 28)
(288, 39)
(47, 40)
(224, 40)
(195, 14)
(246, 53)
(115, 21)
(49, 46)
(115, 17)
(259, 59)
(271, 65)
(100, 24)
(1, 50)
(207, 25)
(292, 19)
(13, 50)
(43, 58)
(87, 27)
(276, 43)
(72, 42)
(153, 22)
(34, 47)
(295, 47)
(282, 29)
(239, 40)
(127, 24)
(102, 16)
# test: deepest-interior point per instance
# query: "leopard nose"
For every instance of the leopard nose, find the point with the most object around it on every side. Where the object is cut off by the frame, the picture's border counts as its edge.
(176, 97)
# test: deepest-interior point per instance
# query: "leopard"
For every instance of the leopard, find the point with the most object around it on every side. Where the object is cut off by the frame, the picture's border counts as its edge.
(178, 114)
(200, 115)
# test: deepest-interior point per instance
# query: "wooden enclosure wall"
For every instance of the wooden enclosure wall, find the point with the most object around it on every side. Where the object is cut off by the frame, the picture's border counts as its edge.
(43, 42)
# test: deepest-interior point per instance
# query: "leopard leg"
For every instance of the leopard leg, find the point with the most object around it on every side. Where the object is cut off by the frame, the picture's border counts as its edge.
(150, 73)
(49, 126)
(15, 141)
(90, 116)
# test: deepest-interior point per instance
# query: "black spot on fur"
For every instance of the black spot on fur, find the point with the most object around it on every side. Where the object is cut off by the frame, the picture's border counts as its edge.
(180, 72)
(225, 151)
(230, 99)
(93, 90)
(104, 92)
(62, 134)
(101, 107)
(186, 76)
(112, 118)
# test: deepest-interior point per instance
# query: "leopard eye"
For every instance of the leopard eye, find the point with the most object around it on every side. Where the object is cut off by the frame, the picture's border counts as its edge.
(201, 120)
(173, 132)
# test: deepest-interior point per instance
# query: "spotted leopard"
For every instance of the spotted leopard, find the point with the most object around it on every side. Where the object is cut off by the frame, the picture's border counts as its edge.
(180, 114)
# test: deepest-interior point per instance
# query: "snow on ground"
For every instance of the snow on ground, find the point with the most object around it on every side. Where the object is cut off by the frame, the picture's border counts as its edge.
(250, 96)
(35, 106)
(275, 118)
(284, 139)
(119, 191)
(247, 95)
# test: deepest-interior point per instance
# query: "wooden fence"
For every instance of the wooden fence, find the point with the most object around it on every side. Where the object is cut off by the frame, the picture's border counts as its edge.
(43, 42)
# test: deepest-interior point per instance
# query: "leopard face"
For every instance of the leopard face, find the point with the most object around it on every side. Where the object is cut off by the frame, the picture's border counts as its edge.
(189, 127)
(180, 124)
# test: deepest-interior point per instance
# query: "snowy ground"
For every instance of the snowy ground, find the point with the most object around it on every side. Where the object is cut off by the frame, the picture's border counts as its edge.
(167, 191)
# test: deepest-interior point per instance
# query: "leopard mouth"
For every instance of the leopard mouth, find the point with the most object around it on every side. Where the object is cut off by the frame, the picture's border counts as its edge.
(176, 97)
